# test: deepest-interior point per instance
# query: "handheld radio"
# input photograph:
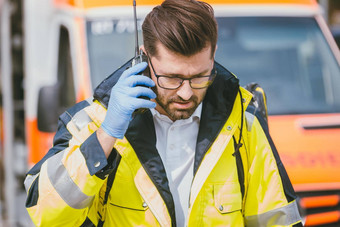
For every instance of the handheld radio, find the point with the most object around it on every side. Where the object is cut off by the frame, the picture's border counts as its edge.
(139, 55)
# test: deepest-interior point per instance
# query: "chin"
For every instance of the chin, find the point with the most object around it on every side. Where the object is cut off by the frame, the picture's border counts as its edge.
(181, 114)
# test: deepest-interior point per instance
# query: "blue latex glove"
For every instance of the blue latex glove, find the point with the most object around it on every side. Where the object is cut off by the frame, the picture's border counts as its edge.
(124, 100)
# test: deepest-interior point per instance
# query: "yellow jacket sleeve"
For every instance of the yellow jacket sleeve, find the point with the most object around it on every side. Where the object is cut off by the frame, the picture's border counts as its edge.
(70, 176)
(268, 184)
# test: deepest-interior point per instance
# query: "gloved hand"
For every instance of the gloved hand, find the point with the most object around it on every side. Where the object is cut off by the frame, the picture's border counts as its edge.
(124, 100)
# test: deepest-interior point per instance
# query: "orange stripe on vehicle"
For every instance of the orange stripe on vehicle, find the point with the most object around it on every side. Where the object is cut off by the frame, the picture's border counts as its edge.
(308, 155)
(104, 3)
(38, 142)
(83, 77)
(64, 2)
(317, 186)
(303, 2)
(320, 201)
(322, 218)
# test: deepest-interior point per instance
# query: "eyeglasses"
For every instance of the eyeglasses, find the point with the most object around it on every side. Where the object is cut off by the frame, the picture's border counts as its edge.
(172, 82)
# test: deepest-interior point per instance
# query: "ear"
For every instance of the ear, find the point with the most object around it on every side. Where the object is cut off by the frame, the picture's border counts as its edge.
(141, 47)
(215, 51)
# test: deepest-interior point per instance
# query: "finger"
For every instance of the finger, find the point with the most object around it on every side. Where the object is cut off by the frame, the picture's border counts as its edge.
(134, 70)
(142, 91)
(143, 103)
(139, 80)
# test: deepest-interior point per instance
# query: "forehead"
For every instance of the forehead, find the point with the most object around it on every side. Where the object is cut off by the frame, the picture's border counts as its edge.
(167, 62)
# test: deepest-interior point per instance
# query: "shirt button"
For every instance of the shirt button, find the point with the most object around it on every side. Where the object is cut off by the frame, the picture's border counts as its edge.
(221, 208)
(228, 127)
(97, 164)
(145, 205)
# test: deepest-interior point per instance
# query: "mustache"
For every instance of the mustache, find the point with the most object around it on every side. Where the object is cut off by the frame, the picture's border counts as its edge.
(179, 99)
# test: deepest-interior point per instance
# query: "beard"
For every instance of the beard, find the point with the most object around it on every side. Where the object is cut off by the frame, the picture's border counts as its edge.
(173, 113)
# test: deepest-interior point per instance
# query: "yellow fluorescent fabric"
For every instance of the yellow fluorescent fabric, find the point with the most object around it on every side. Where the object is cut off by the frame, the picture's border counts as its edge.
(74, 163)
(218, 146)
(96, 112)
(144, 185)
(264, 178)
(132, 209)
(52, 207)
(216, 198)
(66, 189)
(64, 185)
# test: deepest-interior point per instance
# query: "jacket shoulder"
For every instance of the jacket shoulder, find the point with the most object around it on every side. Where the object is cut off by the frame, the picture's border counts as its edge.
(72, 111)
(63, 135)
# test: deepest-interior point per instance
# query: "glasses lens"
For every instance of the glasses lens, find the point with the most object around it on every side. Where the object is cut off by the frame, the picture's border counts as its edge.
(200, 82)
(169, 82)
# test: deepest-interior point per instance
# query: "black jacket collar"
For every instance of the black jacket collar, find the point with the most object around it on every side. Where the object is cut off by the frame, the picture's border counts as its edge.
(217, 106)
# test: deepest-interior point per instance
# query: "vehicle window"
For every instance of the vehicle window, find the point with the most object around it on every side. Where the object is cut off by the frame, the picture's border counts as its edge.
(65, 71)
(111, 43)
(288, 57)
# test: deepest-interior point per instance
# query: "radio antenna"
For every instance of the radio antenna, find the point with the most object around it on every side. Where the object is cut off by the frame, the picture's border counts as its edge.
(136, 30)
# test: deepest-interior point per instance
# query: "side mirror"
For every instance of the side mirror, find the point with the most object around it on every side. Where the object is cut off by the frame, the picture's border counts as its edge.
(49, 108)
(336, 35)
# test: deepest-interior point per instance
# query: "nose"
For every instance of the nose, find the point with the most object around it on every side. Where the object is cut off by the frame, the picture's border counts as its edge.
(185, 90)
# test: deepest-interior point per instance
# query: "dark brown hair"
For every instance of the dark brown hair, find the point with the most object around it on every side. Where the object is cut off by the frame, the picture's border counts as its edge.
(182, 26)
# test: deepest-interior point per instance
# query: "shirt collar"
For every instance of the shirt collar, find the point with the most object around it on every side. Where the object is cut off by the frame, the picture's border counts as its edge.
(195, 116)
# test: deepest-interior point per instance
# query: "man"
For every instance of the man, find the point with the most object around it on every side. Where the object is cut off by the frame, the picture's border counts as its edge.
(193, 158)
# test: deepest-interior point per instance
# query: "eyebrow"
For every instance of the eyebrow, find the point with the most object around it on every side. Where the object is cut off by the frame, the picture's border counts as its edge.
(204, 73)
(179, 75)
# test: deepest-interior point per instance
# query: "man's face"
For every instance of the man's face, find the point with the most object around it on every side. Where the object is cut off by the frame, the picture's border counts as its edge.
(180, 103)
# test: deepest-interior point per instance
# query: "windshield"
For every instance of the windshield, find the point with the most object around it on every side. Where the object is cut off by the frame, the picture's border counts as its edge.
(111, 43)
(288, 57)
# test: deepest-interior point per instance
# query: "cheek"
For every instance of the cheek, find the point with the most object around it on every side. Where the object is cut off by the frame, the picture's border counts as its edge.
(200, 93)
(162, 94)
(166, 95)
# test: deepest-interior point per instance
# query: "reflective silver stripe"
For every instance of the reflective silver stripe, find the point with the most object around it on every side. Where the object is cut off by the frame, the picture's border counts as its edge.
(29, 180)
(284, 216)
(89, 100)
(250, 120)
(64, 185)
(81, 119)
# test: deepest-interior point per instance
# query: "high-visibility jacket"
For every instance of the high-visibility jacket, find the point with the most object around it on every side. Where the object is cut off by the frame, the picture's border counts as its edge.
(233, 185)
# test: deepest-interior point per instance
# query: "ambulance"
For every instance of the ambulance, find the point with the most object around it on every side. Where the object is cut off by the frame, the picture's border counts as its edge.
(283, 45)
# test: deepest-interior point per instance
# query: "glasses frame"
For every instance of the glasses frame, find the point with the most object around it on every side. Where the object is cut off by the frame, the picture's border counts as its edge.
(211, 78)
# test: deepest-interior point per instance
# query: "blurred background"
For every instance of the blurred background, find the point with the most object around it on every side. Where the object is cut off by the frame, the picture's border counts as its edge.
(55, 52)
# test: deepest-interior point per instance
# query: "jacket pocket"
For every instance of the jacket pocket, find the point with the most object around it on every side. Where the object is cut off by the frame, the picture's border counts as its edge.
(127, 208)
(227, 197)
(127, 197)
(130, 205)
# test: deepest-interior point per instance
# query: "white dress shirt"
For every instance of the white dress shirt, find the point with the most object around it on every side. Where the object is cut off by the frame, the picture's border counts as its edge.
(176, 144)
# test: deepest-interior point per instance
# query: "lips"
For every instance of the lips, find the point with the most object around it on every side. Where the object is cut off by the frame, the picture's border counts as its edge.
(182, 105)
